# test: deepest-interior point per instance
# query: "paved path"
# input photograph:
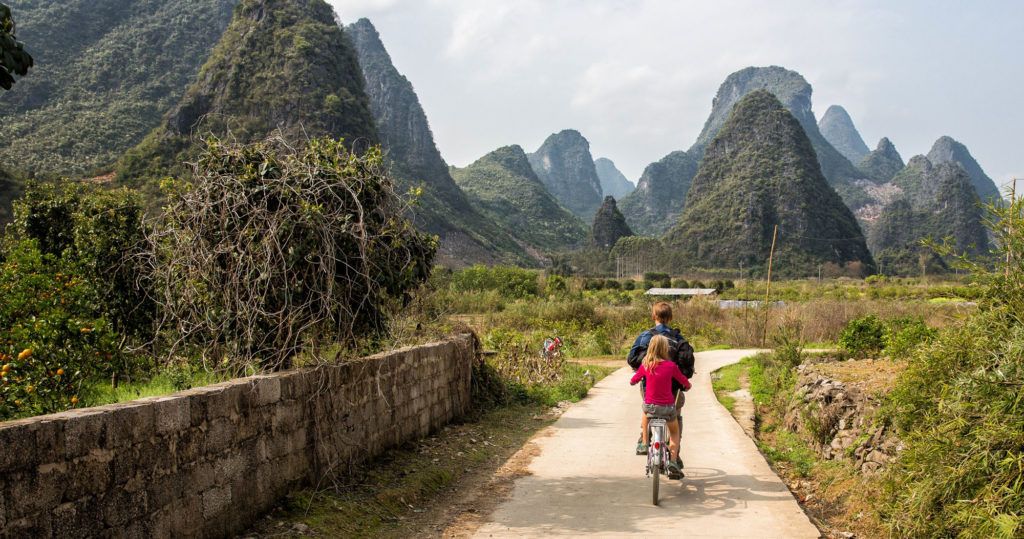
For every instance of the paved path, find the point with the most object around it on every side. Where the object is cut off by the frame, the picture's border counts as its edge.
(587, 481)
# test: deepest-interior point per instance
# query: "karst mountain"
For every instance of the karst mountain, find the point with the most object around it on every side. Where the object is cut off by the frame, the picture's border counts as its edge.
(504, 187)
(105, 75)
(281, 66)
(882, 163)
(609, 225)
(660, 195)
(564, 164)
(793, 91)
(466, 235)
(936, 201)
(946, 149)
(613, 182)
(838, 129)
(759, 171)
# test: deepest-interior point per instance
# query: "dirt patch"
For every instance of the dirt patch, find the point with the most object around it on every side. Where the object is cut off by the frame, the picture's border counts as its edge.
(876, 376)
(743, 407)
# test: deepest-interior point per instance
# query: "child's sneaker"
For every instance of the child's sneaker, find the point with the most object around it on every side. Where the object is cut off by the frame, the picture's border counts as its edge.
(641, 448)
(674, 471)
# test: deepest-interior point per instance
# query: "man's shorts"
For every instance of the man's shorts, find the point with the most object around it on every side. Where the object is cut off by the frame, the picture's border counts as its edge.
(667, 412)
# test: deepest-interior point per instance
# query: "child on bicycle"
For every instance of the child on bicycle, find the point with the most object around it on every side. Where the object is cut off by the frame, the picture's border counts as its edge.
(659, 400)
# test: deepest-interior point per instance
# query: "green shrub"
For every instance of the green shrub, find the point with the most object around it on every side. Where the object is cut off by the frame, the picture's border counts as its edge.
(54, 337)
(655, 276)
(511, 282)
(555, 284)
(904, 334)
(628, 284)
(612, 284)
(863, 336)
(681, 283)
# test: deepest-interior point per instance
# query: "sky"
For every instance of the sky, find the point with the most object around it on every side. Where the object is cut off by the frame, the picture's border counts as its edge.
(636, 78)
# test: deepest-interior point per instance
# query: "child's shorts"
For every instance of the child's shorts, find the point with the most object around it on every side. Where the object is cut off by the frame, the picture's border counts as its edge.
(660, 411)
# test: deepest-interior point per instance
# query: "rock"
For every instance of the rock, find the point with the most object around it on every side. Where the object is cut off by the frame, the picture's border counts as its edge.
(947, 149)
(609, 225)
(660, 194)
(467, 236)
(564, 164)
(613, 182)
(838, 129)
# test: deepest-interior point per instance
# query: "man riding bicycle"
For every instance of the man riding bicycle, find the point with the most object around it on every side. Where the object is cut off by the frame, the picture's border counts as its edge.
(680, 353)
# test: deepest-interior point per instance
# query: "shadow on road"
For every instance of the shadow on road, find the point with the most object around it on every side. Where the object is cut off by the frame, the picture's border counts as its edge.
(704, 493)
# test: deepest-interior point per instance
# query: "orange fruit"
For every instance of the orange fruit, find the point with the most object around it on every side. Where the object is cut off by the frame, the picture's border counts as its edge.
(60, 372)
(25, 354)
(74, 400)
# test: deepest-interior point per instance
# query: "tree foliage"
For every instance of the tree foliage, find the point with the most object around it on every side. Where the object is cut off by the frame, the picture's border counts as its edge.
(14, 59)
(267, 250)
(102, 233)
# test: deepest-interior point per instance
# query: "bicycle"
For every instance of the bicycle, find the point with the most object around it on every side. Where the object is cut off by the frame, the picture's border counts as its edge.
(552, 349)
(658, 455)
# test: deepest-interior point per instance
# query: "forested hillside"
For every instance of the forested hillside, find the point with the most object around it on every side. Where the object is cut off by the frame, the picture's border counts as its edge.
(760, 171)
(660, 194)
(936, 202)
(106, 72)
(947, 149)
(882, 163)
(503, 185)
(281, 66)
(795, 94)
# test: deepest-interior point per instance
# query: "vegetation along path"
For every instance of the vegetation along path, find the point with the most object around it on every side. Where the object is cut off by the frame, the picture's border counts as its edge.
(586, 479)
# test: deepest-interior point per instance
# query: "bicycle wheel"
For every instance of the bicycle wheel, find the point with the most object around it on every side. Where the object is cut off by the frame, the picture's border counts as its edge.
(655, 474)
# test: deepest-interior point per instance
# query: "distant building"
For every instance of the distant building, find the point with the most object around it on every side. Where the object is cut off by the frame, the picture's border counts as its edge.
(685, 292)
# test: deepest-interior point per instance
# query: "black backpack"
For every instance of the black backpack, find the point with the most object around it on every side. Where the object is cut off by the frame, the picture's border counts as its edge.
(679, 351)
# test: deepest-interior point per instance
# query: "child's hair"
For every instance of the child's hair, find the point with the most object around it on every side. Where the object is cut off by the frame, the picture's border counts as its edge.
(657, 351)
(662, 312)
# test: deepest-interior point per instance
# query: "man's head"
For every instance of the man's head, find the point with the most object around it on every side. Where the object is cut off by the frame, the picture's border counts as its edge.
(661, 312)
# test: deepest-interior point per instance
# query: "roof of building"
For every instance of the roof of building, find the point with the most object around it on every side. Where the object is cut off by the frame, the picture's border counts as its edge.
(681, 292)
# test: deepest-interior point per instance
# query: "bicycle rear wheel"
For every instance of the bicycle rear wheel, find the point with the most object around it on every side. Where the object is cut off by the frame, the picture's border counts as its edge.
(655, 474)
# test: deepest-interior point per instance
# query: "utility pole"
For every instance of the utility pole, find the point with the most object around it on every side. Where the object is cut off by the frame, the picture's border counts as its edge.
(1009, 226)
(768, 288)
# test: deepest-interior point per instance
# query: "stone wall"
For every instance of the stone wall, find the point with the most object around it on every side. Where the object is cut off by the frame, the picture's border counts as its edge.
(839, 421)
(208, 461)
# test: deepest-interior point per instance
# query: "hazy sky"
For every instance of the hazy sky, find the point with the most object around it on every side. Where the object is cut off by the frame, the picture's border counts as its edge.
(637, 77)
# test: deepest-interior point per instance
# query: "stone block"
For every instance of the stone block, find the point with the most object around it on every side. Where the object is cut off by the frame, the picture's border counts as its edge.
(129, 423)
(121, 507)
(172, 414)
(266, 389)
(219, 435)
(216, 500)
(84, 430)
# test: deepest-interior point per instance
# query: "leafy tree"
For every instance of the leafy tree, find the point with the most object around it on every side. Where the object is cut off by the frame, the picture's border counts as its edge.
(54, 335)
(268, 249)
(101, 232)
(13, 57)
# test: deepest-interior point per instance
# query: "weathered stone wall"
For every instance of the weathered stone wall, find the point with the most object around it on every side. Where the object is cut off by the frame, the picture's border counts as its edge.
(839, 421)
(208, 461)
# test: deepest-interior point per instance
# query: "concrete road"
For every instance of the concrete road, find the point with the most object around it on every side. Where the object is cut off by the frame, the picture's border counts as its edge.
(587, 481)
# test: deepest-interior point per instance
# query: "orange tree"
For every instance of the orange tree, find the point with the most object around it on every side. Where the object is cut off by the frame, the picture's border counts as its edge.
(53, 340)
